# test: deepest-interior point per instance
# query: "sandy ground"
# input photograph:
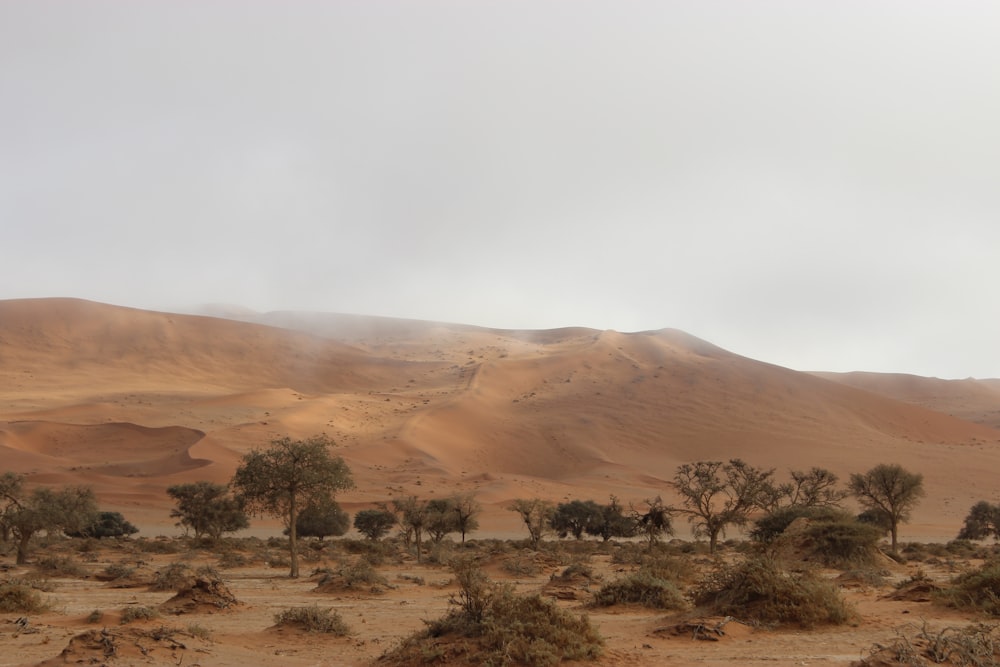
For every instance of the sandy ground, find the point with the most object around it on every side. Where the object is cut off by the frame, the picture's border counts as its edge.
(246, 634)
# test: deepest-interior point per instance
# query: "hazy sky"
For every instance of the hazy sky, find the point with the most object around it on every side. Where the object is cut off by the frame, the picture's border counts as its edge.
(813, 184)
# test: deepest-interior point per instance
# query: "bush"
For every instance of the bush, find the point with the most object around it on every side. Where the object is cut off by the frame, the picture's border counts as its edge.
(20, 599)
(172, 577)
(60, 566)
(640, 588)
(769, 527)
(106, 524)
(493, 626)
(846, 542)
(758, 590)
(978, 589)
(312, 619)
(130, 614)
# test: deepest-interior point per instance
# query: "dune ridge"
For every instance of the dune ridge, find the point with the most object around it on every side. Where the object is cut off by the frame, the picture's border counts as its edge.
(133, 401)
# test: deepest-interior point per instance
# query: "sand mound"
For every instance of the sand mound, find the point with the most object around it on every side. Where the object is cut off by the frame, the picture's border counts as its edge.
(204, 595)
(712, 629)
(128, 646)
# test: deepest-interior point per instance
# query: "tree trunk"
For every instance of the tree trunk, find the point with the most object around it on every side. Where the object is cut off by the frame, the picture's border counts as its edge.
(894, 531)
(416, 536)
(713, 541)
(293, 539)
(22, 549)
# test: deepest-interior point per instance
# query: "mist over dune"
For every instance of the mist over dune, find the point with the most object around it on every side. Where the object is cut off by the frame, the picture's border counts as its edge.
(131, 401)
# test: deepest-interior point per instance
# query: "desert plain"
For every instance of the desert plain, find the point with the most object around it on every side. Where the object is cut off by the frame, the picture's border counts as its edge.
(130, 402)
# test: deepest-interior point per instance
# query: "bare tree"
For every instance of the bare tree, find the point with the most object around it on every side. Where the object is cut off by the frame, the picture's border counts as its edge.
(536, 514)
(890, 490)
(816, 487)
(413, 518)
(467, 509)
(716, 495)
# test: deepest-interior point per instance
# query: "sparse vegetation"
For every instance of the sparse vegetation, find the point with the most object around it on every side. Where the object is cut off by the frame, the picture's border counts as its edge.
(977, 589)
(138, 613)
(19, 598)
(313, 619)
(642, 587)
(891, 491)
(536, 515)
(759, 590)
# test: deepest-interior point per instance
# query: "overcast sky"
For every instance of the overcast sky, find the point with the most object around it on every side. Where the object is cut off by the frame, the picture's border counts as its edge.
(812, 184)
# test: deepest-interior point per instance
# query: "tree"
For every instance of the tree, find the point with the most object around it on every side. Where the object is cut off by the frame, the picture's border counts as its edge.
(288, 476)
(655, 521)
(575, 517)
(891, 490)
(983, 521)
(322, 520)
(413, 515)
(441, 518)
(106, 524)
(816, 487)
(207, 509)
(69, 509)
(11, 490)
(375, 523)
(716, 495)
(466, 510)
(536, 514)
(613, 522)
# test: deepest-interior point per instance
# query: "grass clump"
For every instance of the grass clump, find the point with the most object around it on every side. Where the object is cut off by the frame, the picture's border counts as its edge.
(313, 620)
(977, 589)
(491, 625)
(60, 566)
(20, 599)
(352, 576)
(760, 591)
(130, 614)
(642, 588)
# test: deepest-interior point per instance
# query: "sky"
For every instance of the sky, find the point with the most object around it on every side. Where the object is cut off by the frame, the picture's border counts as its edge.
(813, 184)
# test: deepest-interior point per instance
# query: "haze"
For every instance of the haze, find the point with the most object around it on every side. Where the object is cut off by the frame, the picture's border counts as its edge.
(810, 184)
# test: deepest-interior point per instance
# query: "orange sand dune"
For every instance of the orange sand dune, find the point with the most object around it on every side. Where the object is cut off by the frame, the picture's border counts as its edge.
(132, 401)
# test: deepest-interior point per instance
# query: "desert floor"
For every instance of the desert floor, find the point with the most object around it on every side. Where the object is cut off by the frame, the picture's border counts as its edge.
(379, 618)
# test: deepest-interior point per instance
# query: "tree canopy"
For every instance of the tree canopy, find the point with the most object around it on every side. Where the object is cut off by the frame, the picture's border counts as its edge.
(288, 476)
(890, 490)
(207, 509)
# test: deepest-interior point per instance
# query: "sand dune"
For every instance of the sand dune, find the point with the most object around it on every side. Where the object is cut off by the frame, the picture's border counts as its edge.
(132, 401)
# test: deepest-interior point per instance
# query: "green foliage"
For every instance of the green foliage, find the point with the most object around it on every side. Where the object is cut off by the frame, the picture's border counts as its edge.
(441, 518)
(773, 524)
(716, 495)
(106, 524)
(288, 476)
(207, 509)
(68, 509)
(842, 542)
(982, 521)
(891, 490)
(375, 523)
(322, 519)
(612, 522)
(758, 589)
(642, 587)
(313, 620)
(576, 517)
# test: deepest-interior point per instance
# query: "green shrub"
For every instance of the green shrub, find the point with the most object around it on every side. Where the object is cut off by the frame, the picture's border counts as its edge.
(20, 599)
(312, 619)
(846, 542)
(768, 528)
(640, 588)
(758, 590)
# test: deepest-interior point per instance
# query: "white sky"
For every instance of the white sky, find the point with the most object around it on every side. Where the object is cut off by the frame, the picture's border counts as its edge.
(811, 183)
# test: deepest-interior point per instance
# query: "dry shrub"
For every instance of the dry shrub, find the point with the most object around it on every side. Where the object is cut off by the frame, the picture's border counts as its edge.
(352, 576)
(491, 625)
(642, 588)
(312, 619)
(20, 599)
(130, 614)
(975, 645)
(758, 590)
(172, 577)
(977, 589)
(60, 566)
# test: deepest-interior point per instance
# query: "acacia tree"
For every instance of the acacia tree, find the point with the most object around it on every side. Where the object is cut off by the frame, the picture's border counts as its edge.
(716, 495)
(11, 490)
(374, 523)
(983, 521)
(207, 509)
(413, 518)
(655, 521)
(288, 476)
(890, 490)
(816, 487)
(613, 522)
(68, 509)
(467, 508)
(576, 517)
(536, 514)
(106, 524)
(322, 519)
